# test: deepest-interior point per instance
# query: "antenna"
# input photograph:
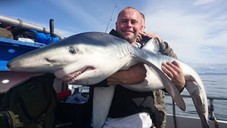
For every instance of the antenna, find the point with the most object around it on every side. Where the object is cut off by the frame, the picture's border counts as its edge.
(115, 6)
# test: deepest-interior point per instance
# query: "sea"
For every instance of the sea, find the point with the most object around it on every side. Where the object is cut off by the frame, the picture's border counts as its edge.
(215, 83)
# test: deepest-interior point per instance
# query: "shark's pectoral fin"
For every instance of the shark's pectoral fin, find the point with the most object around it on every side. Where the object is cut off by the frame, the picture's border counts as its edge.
(102, 99)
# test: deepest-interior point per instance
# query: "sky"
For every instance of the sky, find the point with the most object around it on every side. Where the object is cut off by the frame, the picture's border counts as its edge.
(195, 29)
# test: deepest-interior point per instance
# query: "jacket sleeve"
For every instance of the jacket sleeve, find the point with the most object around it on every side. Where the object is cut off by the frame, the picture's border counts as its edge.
(166, 50)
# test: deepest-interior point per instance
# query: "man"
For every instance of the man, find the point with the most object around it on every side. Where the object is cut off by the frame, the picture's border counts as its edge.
(127, 103)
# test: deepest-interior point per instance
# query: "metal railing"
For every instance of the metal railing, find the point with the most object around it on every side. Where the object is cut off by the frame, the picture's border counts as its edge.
(211, 113)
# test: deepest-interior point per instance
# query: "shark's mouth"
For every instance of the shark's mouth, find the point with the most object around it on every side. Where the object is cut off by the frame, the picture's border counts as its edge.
(73, 77)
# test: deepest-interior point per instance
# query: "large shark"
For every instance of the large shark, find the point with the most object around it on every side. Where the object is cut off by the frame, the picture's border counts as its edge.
(91, 57)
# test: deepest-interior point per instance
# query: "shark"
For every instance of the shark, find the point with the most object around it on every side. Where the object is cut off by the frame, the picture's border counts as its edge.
(91, 57)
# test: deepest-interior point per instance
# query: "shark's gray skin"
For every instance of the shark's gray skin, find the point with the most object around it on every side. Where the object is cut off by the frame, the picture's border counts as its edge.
(89, 58)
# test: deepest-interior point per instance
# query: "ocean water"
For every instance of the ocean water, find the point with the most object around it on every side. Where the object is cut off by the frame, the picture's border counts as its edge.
(215, 86)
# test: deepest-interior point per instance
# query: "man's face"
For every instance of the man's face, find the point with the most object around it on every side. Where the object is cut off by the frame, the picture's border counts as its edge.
(129, 24)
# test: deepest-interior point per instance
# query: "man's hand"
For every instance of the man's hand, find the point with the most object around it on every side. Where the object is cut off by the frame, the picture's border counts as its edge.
(134, 75)
(174, 72)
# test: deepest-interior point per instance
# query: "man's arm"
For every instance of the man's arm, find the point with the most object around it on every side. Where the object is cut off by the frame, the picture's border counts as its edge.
(134, 75)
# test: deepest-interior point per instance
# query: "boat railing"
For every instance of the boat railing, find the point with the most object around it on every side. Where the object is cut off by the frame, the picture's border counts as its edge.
(211, 104)
(22, 24)
(211, 107)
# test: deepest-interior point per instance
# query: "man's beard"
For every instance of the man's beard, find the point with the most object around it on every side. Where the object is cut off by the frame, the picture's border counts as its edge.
(130, 39)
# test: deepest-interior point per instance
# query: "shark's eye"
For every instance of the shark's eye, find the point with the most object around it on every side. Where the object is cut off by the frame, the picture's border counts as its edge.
(72, 50)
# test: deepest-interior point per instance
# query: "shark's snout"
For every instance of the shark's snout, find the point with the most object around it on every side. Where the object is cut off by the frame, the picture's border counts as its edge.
(9, 65)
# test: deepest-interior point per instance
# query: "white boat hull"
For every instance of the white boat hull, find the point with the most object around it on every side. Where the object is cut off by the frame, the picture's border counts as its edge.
(191, 122)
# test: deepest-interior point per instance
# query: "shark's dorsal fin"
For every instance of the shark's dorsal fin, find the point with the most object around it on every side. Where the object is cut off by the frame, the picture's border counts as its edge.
(152, 45)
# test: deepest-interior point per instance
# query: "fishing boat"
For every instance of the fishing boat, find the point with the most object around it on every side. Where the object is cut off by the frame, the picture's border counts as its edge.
(11, 48)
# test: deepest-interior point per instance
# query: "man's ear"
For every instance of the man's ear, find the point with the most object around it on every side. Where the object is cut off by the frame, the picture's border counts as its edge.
(142, 28)
(115, 25)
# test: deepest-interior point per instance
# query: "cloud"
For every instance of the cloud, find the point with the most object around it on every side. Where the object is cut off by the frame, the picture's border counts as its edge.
(196, 31)
(86, 16)
(204, 2)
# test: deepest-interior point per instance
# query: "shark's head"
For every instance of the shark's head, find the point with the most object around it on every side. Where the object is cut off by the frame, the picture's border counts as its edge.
(86, 58)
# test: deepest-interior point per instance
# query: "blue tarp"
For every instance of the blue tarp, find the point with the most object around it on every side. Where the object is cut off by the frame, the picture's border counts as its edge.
(45, 38)
(10, 49)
